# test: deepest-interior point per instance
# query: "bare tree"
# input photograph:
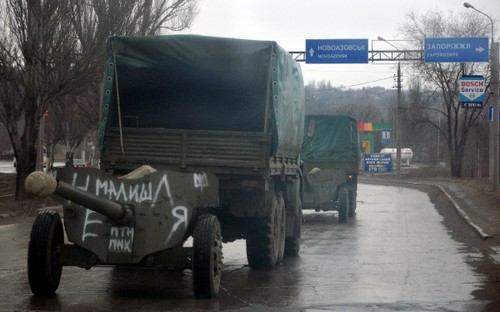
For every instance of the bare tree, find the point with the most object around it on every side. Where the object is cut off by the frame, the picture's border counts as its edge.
(49, 49)
(40, 64)
(73, 117)
(362, 104)
(93, 22)
(442, 79)
(418, 133)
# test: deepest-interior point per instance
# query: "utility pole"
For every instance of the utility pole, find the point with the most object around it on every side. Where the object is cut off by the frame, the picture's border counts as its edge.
(398, 114)
(494, 85)
(398, 123)
(495, 54)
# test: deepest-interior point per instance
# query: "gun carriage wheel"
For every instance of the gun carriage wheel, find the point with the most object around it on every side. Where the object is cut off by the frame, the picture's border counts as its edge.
(44, 267)
(207, 257)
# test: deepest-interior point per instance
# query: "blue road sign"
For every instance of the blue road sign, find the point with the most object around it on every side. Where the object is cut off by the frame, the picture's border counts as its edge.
(386, 136)
(455, 50)
(336, 51)
(490, 113)
(377, 162)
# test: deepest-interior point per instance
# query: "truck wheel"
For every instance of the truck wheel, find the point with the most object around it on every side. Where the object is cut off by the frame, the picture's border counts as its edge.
(280, 228)
(207, 257)
(292, 244)
(352, 203)
(343, 204)
(44, 266)
(266, 237)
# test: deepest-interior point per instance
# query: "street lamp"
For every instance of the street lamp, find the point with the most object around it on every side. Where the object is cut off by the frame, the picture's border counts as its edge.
(470, 6)
(494, 85)
(398, 107)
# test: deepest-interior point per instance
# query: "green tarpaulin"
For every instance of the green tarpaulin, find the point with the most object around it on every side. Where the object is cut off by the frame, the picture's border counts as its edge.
(330, 138)
(204, 83)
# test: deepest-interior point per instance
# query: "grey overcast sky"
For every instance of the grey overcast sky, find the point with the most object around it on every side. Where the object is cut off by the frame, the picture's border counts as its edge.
(291, 22)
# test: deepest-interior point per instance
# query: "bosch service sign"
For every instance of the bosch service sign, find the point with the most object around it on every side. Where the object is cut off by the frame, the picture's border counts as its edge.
(472, 90)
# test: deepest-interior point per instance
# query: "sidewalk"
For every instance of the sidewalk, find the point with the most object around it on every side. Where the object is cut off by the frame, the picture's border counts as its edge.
(477, 200)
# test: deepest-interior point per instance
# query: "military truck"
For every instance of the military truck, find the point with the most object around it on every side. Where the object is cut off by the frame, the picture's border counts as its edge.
(331, 156)
(206, 116)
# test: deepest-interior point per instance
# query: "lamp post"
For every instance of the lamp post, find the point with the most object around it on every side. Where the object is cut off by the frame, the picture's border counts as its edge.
(41, 142)
(398, 107)
(494, 85)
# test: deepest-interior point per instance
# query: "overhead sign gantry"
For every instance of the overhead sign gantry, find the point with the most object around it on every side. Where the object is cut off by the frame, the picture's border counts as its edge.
(355, 51)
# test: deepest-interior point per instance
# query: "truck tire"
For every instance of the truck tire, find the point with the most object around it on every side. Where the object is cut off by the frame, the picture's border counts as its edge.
(292, 244)
(343, 198)
(44, 265)
(352, 203)
(266, 236)
(280, 228)
(207, 257)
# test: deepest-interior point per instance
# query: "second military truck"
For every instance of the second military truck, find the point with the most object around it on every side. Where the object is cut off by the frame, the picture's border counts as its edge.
(331, 156)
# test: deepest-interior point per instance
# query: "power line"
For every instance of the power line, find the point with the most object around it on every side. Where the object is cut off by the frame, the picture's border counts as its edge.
(362, 83)
(350, 86)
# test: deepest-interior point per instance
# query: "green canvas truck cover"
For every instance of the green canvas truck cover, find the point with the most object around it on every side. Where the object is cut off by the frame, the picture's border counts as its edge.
(330, 138)
(203, 83)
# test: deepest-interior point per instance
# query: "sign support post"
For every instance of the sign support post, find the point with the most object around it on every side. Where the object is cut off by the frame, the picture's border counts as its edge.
(495, 54)
(398, 124)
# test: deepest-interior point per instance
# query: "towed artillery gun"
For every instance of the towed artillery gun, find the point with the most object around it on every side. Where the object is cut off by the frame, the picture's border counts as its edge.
(222, 121)
(141, 220)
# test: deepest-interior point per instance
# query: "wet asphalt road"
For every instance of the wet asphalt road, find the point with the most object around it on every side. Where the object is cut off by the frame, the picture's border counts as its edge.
(395, 255)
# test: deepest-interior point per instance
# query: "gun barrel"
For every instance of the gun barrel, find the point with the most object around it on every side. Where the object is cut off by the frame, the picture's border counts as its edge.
(113, 210)
(41, 184)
